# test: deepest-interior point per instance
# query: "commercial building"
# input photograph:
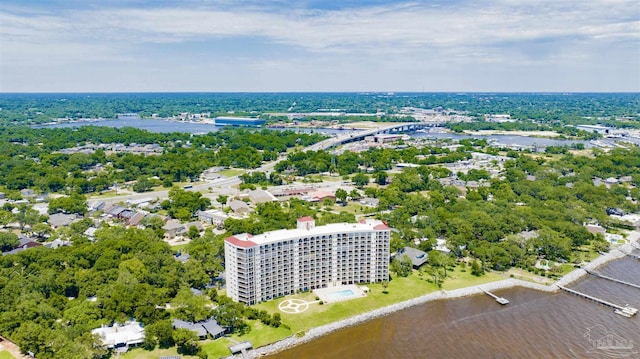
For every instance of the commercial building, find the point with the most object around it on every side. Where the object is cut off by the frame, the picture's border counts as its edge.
(239, 121)
(279, 263)
(594, 129)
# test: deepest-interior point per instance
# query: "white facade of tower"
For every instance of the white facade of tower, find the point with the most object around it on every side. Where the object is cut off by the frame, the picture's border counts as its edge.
(279, 263)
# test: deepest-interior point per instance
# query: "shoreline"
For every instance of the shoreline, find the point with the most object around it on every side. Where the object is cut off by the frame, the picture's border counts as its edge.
(314, 333)
(535, 134)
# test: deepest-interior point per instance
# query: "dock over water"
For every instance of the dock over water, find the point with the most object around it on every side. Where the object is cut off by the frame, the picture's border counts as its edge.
(500, 300)
(626, 311)
(596, 274)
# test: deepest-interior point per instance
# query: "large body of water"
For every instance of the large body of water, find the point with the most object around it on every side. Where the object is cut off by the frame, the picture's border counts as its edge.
(534, 325)
(160, 125)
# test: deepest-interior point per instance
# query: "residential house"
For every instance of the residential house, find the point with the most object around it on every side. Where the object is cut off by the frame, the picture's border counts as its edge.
(57, 243)
(202, 329)
(136, 219)
(60, 220)
(214, 217)
(172, 227)
(417, 257)
(113, 210)
(26, 193)
(24, 243)
(239, 207)
(97, 206)
(187, 226)
(141, 202)
(121, 337)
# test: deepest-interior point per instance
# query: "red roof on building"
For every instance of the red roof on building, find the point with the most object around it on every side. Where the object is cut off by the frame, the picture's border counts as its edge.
(305, 219)
(239, 242)
(322, 195)
(381, 227)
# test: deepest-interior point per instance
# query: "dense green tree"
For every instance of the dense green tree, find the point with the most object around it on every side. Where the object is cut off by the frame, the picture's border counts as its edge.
(190, 307)
(8, 241)
(402, 266)
(159, 333)
(28, 216)
(341, 195)
(143, 184)
(360, 179)
(74, 203)
(187, 341)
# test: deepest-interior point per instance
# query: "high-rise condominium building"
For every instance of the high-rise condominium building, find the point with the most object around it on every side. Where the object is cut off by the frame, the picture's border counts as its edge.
(279, 263)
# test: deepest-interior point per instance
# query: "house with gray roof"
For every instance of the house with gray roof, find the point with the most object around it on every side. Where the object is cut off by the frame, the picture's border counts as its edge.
(114, 210)
(202, 329)
(417, 257)
(136, 219)
(172, 228)
(261, 196)
(214, 217)
(60, 220)
(239, 207)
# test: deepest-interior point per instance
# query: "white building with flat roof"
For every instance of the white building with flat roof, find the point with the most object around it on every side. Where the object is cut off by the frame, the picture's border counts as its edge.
(279, 263)
(121, 336)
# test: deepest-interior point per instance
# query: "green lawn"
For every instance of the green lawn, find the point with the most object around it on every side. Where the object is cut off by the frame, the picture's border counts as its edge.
(457, 279)
(353, 207)
(259, 335)
(179, 247)
(6, 355)
(400, 289)
(232, 172)
(140, 353)
(522, 274)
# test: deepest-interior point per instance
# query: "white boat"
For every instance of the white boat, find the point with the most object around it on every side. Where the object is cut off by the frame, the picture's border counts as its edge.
(627, 311)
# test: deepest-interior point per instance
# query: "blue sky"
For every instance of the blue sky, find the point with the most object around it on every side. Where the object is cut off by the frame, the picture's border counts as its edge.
(315, 45)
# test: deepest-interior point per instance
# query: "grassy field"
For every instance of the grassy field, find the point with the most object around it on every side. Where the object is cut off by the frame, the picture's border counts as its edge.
(459, 279)
(400, 289)
(259, 335)
(522, 274)
(140, 353)
(6, 355)
(179, 247)
(353, 207)
(232, 172)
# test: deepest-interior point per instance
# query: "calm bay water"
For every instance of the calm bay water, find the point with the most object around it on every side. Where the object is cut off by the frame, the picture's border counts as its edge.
(160, 125)
(534, 325)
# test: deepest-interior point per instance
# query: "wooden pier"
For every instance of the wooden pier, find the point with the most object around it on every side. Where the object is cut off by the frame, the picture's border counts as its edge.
(626, 311)
(500, 300)
(596, 274)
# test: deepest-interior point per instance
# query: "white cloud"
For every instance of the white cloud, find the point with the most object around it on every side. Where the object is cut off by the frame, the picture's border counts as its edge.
(513, 33)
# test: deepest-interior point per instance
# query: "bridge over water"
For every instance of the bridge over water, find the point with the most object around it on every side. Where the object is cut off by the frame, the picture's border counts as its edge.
(359, 136)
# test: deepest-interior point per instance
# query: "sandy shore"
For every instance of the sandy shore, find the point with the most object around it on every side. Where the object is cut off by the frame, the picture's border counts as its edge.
(457, 293)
